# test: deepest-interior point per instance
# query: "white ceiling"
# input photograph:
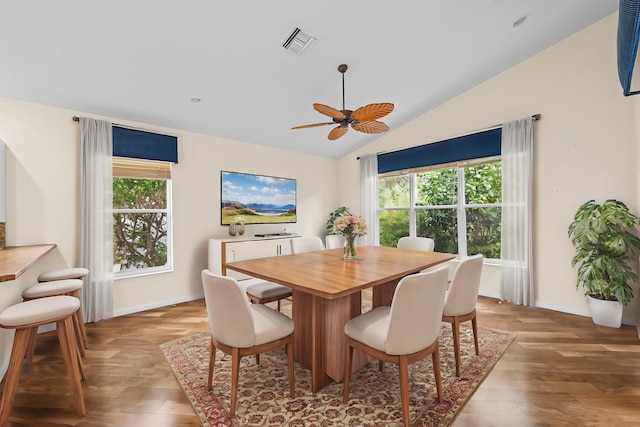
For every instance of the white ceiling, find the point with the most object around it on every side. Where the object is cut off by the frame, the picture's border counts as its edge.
(143, 60)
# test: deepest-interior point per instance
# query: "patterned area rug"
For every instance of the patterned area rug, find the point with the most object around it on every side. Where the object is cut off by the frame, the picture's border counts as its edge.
(374, 398)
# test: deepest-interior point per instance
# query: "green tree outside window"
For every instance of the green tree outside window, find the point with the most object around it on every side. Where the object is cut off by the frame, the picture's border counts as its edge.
(140, 232)
(437, 207)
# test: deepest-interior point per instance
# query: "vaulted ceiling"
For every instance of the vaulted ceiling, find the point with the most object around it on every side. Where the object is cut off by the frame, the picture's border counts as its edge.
(219, 67)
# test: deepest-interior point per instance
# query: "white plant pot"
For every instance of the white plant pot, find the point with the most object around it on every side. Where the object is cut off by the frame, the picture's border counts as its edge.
(605, 313)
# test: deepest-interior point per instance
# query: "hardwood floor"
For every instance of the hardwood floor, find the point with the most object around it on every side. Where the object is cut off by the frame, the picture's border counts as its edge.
(561, 370)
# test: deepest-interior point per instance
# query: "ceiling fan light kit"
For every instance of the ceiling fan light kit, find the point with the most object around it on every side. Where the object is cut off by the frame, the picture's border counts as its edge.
(364, 119)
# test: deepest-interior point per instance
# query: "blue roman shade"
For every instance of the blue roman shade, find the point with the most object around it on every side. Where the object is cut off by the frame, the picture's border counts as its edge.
(139, 144)
(468, 147)
(628, 37)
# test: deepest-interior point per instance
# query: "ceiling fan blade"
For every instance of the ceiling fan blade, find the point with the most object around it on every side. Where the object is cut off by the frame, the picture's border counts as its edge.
(315, 125)
(329, 111)
(337, 132)
(372, 126)
(372, 112)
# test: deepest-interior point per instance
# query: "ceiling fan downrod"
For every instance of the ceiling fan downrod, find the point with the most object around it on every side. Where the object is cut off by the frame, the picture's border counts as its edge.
(342, 68)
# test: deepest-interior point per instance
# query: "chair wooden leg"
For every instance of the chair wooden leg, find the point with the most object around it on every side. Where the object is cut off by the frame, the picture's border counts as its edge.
(66, 337)
(80, 365)
(83, 340)
(212, 365)
(347, 372)
(78, 334)
(455, 327)
(20, 343)
(403, 368)
(380, 366)
(31, 346)
(292, 392)
(235, 372)
(83, 329)
(435, 358)
(474, 326)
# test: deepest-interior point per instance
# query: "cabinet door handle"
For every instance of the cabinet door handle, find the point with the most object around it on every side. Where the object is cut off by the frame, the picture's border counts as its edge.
(233, 253)
(279, 250)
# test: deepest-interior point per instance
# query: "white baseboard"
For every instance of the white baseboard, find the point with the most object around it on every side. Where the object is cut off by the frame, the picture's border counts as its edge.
(584, 313)
(157, 304)
(490, 295)
(563, 309)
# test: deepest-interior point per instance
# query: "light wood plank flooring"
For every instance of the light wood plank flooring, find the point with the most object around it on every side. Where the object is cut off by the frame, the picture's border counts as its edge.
(562, 370)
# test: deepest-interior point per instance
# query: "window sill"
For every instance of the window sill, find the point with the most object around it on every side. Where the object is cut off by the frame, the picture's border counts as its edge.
(139, 273)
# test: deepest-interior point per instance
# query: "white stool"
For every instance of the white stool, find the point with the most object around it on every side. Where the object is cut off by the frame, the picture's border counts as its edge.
(70, 287)
(78, 273)
(63, 274)
(25, 318)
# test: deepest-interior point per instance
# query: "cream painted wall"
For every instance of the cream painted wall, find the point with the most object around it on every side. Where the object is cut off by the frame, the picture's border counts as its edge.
(43, 147)
(585, 146)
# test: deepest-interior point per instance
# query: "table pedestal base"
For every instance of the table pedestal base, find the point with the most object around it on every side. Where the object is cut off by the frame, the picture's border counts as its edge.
(318, 338)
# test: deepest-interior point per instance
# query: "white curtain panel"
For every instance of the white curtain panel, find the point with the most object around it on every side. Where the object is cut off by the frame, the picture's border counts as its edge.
(369, 198)
(96, 222)
(516, 271)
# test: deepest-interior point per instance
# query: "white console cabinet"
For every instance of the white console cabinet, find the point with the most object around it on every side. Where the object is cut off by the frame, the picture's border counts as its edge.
(222, 251)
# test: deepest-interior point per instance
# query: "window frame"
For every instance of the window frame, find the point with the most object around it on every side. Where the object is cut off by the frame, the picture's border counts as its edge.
(147, 169)
(461, 206)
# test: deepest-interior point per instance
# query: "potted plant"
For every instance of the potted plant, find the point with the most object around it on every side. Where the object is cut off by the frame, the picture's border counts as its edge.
(603, 237)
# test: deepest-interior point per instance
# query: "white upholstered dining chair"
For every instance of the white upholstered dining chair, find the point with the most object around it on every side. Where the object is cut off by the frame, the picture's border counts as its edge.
(306, 244)
(460, 301)
(334, 241)
(242, 329)
(417, 243)
(403, 333)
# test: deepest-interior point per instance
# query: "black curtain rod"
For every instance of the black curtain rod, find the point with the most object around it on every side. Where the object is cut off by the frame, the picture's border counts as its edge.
(77, 119)
(535, 117)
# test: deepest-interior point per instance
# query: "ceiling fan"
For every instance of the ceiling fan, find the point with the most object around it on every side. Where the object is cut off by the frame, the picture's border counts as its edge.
(364, 119)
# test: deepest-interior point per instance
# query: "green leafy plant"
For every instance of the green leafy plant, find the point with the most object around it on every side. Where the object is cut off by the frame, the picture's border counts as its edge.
(139, 238)
(333, 216)
(603, 237)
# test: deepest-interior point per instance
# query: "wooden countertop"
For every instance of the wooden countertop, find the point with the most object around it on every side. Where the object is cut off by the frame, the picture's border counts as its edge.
(15, 260)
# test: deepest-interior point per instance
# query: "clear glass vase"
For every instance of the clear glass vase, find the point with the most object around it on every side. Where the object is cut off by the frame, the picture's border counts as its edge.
(350, 247)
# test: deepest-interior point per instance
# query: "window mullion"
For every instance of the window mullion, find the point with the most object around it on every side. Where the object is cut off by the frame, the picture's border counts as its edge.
(413, 190)
(170, 222)
(135, 211)
(462, 216)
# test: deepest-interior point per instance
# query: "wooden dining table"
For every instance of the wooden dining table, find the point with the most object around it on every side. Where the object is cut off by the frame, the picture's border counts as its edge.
(327, 294)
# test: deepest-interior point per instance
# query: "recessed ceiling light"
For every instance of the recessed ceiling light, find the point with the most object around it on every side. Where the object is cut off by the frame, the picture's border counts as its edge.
(195, 100)
(518, 22)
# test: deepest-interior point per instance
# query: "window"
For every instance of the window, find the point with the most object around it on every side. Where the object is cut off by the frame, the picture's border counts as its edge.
(141, 216)
(458, 205)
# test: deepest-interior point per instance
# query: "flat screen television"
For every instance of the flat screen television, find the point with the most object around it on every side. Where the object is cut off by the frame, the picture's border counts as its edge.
(258, 199)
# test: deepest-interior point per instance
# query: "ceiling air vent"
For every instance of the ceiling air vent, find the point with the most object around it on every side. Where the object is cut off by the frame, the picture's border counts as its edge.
(298, 41)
